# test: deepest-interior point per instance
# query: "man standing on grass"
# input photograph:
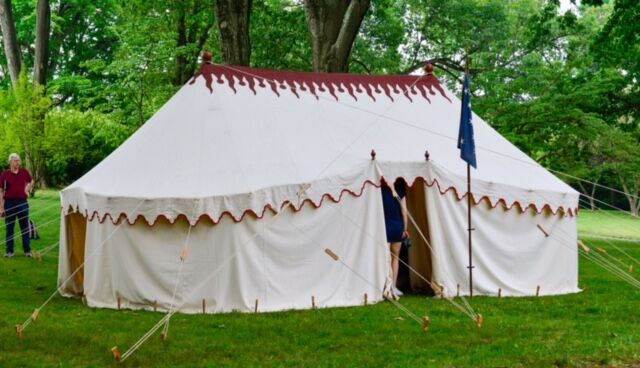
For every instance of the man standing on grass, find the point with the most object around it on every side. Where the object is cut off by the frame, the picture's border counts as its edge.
(15, 186)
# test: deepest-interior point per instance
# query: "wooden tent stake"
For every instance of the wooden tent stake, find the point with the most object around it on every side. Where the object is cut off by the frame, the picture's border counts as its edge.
(313, 301)
(35, 314)
(479, 320)
(255, 308)
(584, 247)
(366, 301)
(19, 330)
(155, 305)
(546, 234)
(84, 300)
(37, 256)
(601, 250)
(500, 293)
(425, 324)
(458, 292)
(164, 336)
(118, 303)
(538, 290)
(116, 354)
(204, 306)
(630, 268)
(331, 254)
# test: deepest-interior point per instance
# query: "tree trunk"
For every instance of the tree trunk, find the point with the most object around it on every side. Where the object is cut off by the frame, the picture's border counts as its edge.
(181, 60)
(334, 25)
(233, 25)
(632, 197)
(195, 35)
(10, 39)
(43, 26)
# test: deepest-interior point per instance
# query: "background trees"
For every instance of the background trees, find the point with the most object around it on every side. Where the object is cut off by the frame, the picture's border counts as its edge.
(562, 86)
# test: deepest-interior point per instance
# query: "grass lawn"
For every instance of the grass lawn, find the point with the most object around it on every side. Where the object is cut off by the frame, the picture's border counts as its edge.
(608, 223)
(599, 327)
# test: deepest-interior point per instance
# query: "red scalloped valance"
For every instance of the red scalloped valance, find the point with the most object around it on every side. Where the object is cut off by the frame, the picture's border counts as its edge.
(354, 84)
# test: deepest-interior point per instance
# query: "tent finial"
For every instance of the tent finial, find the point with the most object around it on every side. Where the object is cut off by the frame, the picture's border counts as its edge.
(207, 56)
(373, 154)
(428, 67)
(426, 155)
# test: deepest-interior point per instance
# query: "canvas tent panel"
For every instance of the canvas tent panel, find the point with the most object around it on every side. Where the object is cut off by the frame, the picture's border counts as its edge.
(509, 251)
(278, 260)
(297, 138)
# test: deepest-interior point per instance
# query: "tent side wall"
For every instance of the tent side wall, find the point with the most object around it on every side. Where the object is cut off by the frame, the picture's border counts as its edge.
(73, 229)
(510, 252)
(279, 261)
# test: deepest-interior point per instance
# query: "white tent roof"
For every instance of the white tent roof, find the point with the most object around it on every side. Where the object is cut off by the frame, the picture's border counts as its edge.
(238, 140)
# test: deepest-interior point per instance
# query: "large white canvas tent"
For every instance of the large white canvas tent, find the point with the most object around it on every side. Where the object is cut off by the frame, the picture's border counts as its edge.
(249, 175)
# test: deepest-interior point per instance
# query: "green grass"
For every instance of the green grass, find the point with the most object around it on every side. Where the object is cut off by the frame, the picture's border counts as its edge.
(599, 327)
(608, 223)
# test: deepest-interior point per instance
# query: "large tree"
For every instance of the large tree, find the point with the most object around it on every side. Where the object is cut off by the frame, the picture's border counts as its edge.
(193, 27)
(11, 46)
(43, 27)
(233, 17)
(334, 25)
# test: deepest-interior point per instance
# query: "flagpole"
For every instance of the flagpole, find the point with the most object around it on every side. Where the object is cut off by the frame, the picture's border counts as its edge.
(469, 200)
(469, 229)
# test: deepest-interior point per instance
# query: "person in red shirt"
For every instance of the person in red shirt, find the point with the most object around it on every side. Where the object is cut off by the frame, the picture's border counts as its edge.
(15, 186)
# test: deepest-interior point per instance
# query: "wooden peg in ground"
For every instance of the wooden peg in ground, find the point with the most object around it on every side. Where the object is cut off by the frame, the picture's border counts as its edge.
(19, 330)
(583, 247)
(116, 354)
(425, 324)
(35, 314)
(479, 320)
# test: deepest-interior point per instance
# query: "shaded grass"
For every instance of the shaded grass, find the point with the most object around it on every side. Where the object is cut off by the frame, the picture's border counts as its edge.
(597, 327)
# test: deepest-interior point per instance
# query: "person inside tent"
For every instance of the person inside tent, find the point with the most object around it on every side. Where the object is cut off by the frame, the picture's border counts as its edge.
(15, 186)
(395, 219)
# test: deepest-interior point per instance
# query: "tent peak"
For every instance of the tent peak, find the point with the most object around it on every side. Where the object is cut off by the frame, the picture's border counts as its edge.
(207, 56)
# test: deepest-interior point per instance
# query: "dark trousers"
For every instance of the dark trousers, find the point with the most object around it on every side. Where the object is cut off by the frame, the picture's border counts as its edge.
(17, 209)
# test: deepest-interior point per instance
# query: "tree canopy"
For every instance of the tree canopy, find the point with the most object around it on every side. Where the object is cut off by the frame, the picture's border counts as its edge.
(562, 86)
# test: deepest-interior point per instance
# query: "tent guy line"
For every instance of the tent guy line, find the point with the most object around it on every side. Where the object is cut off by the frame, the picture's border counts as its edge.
(603, 262)
(168, 316)
(369, 125)
(478, 146)
(183, 258)
(20, 328)
(392, 119)
(468, 310)
(339, 259)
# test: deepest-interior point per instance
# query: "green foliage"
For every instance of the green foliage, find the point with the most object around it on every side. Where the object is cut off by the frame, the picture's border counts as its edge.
(22, 123)
(285, 22)
(563, 87)
(76, 141)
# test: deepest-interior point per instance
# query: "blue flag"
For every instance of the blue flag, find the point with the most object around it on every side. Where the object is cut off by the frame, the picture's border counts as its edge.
(466, 142)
